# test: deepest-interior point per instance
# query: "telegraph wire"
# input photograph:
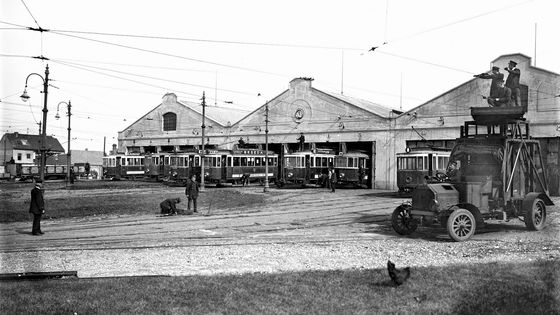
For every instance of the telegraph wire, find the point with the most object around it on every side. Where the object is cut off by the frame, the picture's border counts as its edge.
(172, 55)
(34, 19)
(209, 40)
(160, 79)
(460, 21)
(13, 24)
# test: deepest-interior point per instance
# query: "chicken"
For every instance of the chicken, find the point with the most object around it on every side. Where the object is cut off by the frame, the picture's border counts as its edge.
(398, 276)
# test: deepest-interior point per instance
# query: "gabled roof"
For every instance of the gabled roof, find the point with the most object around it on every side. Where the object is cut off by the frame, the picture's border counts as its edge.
(225, 116)
(33, 142)
(374, 108)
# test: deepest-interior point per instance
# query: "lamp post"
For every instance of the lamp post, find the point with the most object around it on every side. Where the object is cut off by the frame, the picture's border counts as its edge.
(68, 154)
(25, 97)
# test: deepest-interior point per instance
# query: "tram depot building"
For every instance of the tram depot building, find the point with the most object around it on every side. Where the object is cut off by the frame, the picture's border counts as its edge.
(343, 123)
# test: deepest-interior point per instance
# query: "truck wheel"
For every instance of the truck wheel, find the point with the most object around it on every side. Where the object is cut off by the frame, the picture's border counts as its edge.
(535, 216)
(461, 225)
(402, 221)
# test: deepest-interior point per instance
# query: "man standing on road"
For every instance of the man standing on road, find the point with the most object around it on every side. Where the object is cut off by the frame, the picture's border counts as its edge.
(332, 178)
(37, 207)
(192, 193)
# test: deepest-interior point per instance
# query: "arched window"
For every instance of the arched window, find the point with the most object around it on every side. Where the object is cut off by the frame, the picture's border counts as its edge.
(169, 121)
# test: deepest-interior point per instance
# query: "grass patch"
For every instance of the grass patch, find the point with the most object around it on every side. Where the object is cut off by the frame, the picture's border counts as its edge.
(520, 288)
(113, 198)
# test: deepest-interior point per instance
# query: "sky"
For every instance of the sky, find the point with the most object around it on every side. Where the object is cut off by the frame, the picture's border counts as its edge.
(114, 60)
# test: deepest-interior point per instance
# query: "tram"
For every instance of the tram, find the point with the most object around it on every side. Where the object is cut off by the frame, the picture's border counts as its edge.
(240, 166)
(123, 166)
(176, 166)
(352, 169)
(416, 164)
(307, 168)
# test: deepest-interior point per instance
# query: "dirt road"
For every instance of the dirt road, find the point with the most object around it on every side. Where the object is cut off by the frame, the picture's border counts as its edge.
(294, 230)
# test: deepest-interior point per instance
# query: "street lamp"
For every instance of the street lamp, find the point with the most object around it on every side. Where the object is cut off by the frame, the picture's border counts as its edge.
(68, 154)
(25, 97)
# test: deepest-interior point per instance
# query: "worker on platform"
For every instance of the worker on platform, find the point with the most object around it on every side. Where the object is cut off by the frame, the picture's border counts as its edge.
(502, 98)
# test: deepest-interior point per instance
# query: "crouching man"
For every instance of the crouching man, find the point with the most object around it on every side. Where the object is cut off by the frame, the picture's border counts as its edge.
(168, 206)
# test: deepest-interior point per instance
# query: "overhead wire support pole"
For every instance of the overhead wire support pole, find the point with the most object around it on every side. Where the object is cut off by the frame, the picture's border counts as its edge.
(266, 188)
(68, 154)
(203, 153)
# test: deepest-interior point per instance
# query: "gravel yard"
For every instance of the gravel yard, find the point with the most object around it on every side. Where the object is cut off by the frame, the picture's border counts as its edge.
(292, 230)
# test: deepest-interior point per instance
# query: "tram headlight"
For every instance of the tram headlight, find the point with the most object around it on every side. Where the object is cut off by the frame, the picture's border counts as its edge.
(341, 175)
(408, 179)
(290, 175)
(206, 174)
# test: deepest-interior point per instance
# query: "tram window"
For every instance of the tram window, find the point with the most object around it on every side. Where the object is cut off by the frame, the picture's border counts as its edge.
(420, 163)
(229, 161)
(434, 163)
(271, 162)
(166, 160)
(362, 162)
(258, 161)
(442, 162)
(219, 162)
(236, 161)
(411, 163)
(290, 161)
(324, 162)
(197, 161)
(243, 161)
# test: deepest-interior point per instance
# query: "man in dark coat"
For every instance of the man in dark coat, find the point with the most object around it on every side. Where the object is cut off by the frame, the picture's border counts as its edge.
(168, 205)
(192, 193)
(495, 75)
(37, 207)
(502, 97)
(512, 82)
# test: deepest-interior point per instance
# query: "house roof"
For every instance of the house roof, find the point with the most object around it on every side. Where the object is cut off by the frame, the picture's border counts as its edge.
(225, 116)
(377, 109)
(33, 142)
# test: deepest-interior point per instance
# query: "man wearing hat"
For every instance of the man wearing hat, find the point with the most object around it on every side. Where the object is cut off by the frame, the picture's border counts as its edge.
(495, 75)
(512, 82)
(502, 97)
(37, 207)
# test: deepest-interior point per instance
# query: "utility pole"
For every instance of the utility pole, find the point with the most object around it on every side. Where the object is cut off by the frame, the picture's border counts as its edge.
(69, 155)
(266, 148)
(202, 154)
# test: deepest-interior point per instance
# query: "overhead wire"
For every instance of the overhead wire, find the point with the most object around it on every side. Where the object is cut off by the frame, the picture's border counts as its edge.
(172, 55)
(209, 40)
